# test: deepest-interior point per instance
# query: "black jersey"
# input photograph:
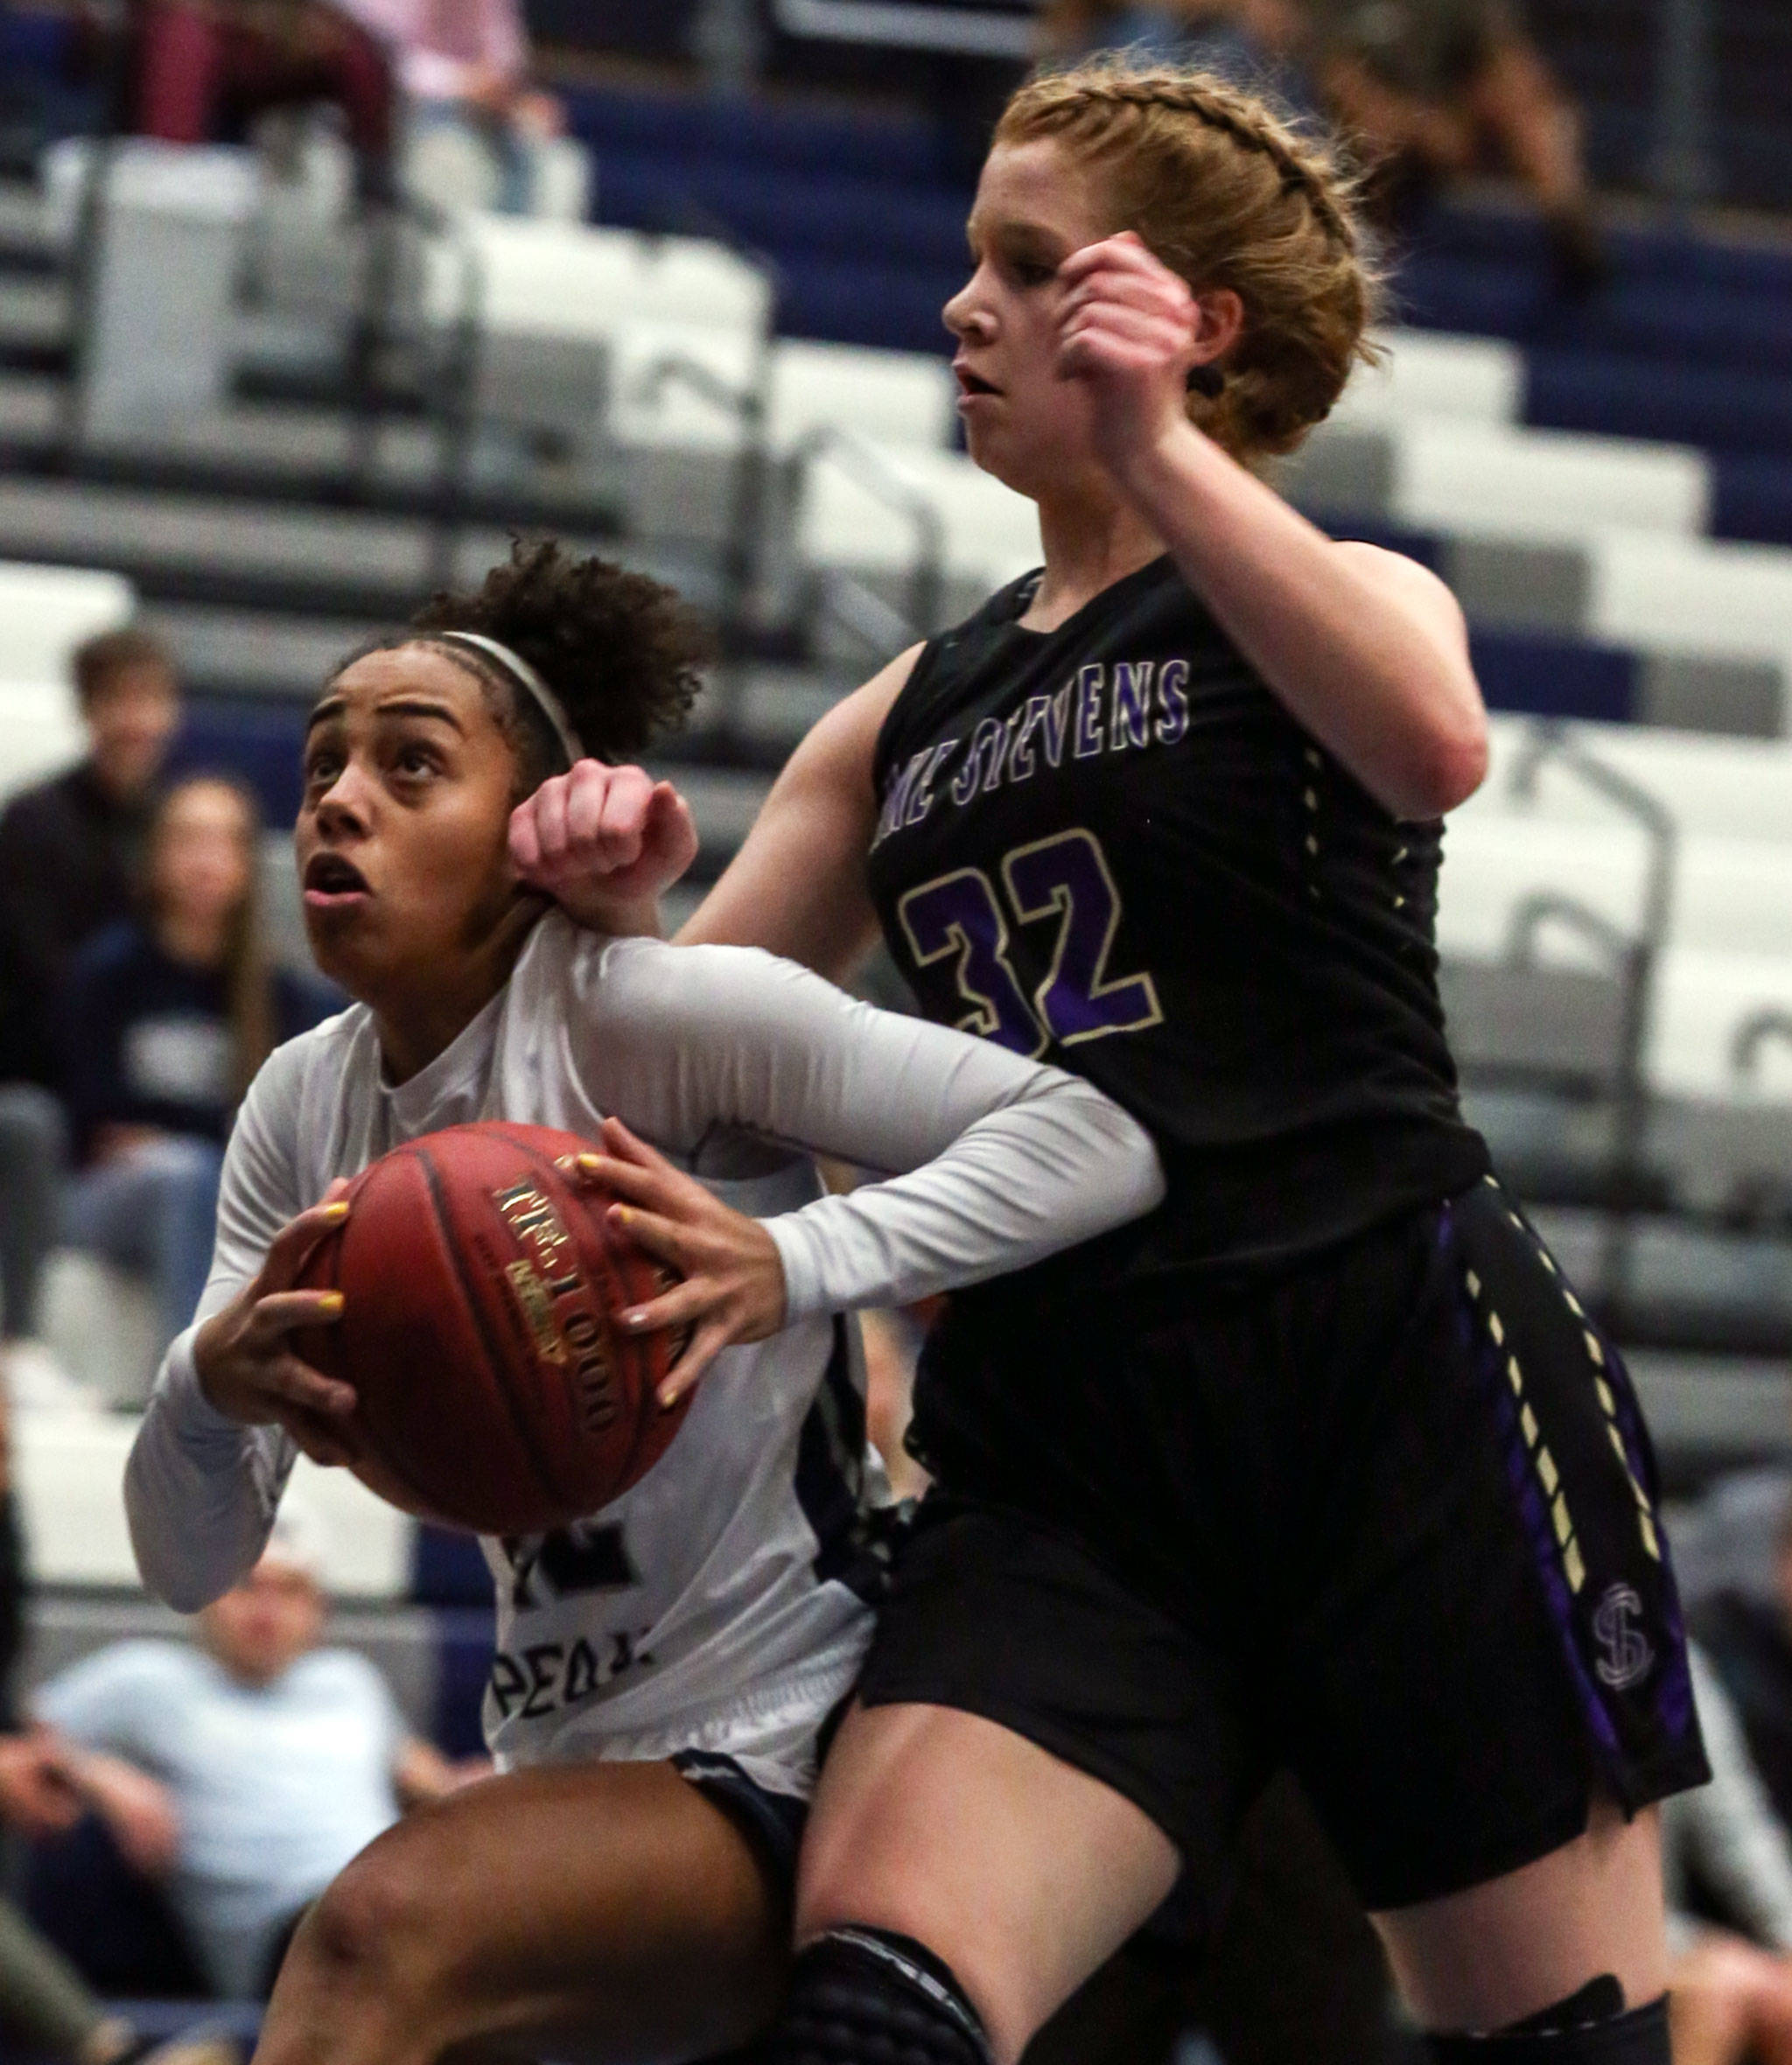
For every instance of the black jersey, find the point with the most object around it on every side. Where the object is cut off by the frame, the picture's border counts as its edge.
(1110, 845)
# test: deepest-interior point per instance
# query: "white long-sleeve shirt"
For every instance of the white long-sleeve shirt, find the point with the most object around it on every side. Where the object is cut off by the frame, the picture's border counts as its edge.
(703, 1609)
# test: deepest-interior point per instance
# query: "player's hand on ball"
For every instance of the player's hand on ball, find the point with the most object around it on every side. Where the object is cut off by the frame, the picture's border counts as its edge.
(733, 1287)
(602, 842)
(244, 1357)
(1131, 331)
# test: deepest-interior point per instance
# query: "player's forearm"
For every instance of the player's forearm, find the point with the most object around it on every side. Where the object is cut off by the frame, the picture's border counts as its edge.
(635, 917)
(1057, 1167)
(200, 1490)
(1381, 681)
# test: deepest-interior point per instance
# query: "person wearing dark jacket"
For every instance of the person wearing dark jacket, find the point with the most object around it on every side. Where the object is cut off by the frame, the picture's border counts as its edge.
(70, 847)
(165, 1019)
(69, 852)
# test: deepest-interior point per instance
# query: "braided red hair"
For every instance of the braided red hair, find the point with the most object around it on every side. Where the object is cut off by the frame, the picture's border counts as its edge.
(1227, 194)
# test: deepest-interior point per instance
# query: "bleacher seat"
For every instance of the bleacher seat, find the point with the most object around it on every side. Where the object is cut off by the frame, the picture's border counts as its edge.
(101, 1325)
(576, 281)
(1722, 787)
(678, 423)
(68, 1468)
(851, 523)
(1730, 895)
(1541, 1017)
(1691, 596)
(902, 398)
(548, 299)
(1425, 374)
(45, 612)
(1489, 480)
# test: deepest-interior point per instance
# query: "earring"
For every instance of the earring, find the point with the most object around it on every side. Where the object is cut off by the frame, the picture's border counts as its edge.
(1207, 381)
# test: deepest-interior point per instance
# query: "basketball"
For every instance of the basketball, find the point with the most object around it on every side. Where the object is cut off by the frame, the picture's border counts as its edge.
(494, 1390)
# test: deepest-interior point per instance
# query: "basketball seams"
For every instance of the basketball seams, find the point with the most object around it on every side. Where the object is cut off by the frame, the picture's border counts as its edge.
(547, 1478)
(634, 1359)
(384, 1458)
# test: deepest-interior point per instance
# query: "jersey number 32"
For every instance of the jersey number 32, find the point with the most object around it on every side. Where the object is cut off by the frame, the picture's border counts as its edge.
(1065, 877)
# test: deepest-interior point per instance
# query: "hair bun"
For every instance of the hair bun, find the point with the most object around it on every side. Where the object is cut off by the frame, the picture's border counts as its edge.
(621, 652)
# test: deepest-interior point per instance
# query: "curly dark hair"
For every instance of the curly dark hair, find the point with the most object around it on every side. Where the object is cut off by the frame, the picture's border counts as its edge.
(623, 652)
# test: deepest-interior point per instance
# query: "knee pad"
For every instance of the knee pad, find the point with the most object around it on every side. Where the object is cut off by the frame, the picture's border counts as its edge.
(1590, 2027)
(864, 1996)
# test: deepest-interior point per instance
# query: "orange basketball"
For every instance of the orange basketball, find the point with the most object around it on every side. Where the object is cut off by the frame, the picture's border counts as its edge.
(480, 1287)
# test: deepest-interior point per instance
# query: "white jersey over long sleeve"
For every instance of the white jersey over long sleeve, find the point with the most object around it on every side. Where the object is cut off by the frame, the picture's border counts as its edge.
(710, 1606)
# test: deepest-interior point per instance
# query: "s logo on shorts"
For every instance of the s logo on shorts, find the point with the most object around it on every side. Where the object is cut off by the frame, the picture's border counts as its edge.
(1628, 1658)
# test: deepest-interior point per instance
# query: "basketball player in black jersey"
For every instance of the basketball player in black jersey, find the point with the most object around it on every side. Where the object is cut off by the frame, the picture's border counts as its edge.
(1323, 1465)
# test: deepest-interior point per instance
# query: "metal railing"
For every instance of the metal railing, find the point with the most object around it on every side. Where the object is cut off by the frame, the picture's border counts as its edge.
(923, 609)
(1637, 957)
(1758, 1030)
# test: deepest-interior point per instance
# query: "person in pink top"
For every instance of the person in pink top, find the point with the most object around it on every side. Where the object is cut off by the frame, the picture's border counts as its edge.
(463, 64)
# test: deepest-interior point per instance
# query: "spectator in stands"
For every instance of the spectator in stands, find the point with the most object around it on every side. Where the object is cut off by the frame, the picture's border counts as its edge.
(462, 67)
(45, 2005)
(277, 1761)
(1429, 89)
(1732, 1987)
(70, 847)
(165, 1019)
(69, 852)
(205, 68)
(1257, 44)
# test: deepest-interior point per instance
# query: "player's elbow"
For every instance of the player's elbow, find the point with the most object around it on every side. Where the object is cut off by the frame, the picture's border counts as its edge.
(1144, 1185)
(166, 1580)
(166, 1563)
(174, 1587)
(1445, 762)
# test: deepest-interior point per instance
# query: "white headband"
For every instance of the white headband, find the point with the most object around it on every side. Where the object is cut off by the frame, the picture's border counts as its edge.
(527, 679)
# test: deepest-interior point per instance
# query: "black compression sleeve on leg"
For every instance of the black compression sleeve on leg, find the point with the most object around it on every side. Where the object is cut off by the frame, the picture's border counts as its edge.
(863, 1995)
(1559, 2038)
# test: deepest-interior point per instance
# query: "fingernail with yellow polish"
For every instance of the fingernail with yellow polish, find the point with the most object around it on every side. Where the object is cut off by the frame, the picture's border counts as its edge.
(336, 1214)
(329, 1304)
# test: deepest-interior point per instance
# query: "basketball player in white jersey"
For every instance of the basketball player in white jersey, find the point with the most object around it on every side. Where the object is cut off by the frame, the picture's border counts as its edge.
(663, 1672)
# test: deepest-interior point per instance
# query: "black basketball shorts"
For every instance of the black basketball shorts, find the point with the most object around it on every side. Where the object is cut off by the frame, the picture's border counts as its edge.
(1390, 1521)
(772, 1823)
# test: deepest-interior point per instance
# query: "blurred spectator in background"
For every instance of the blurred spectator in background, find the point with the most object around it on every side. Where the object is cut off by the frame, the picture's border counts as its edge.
(165, 1019)
(70, 847)
(1260, 45)
(1431, 89)
(45, 2004)
(204, 69)
(273, 1760)
(70, 850)
(463, 70)
(1731, 1985)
